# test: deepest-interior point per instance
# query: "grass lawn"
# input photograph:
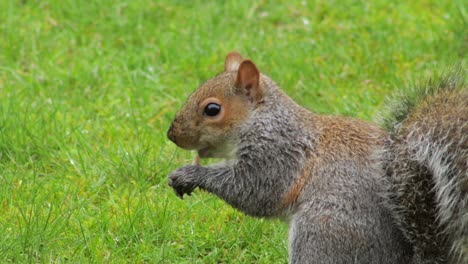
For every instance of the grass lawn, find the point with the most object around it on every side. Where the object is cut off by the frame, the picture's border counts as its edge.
(88, 90)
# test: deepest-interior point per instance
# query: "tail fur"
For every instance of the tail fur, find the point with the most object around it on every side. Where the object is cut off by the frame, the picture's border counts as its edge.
(428, 167)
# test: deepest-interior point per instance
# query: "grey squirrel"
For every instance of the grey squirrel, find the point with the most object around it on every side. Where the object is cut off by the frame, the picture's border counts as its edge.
(351, 191)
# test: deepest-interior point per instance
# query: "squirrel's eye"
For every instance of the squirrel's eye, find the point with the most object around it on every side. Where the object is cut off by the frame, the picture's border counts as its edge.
(212, 109)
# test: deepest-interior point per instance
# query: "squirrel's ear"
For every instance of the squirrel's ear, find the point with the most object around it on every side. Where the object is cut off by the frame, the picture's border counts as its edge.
(248, 80)
(232, 62)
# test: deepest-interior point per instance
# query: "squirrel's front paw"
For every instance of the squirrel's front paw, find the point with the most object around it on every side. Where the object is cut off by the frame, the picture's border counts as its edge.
(184, 180)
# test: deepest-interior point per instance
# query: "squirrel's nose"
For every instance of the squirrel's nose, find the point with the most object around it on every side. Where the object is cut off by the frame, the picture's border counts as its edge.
(170, 133)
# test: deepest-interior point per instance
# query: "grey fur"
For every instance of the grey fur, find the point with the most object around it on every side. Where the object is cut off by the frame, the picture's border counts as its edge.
(351, 192)
(270, 152)
(339, 216)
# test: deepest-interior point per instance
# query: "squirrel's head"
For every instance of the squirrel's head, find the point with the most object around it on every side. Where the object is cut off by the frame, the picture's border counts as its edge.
(210, 120)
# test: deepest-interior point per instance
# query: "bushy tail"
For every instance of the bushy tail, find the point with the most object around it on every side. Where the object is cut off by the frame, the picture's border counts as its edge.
(428, 167)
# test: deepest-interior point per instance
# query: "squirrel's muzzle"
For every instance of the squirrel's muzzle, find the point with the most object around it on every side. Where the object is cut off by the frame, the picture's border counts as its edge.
(171, 134)
(180, 136)
(181, 132)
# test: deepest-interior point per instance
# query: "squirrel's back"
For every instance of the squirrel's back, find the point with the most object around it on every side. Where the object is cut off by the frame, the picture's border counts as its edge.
(428, 166)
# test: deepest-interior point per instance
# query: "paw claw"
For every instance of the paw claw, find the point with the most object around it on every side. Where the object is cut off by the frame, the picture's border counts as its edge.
(184, 180)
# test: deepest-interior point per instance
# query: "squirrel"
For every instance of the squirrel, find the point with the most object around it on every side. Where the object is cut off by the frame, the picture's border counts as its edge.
(350, 190)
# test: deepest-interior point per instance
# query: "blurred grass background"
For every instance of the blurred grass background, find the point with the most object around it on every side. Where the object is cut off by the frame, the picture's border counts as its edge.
(88, 90)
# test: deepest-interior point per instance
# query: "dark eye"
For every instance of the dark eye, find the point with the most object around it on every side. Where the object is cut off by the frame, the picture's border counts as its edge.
(212, 109)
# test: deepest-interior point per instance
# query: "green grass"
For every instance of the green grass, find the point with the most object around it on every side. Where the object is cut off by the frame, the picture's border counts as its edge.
(88, 90)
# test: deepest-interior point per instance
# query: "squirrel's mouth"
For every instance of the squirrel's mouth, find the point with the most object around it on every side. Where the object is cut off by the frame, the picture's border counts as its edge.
(204, 152)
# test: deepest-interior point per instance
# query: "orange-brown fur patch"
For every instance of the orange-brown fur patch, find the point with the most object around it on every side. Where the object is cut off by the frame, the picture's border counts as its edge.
(355, 139)
(291, 197)
(235, 111)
